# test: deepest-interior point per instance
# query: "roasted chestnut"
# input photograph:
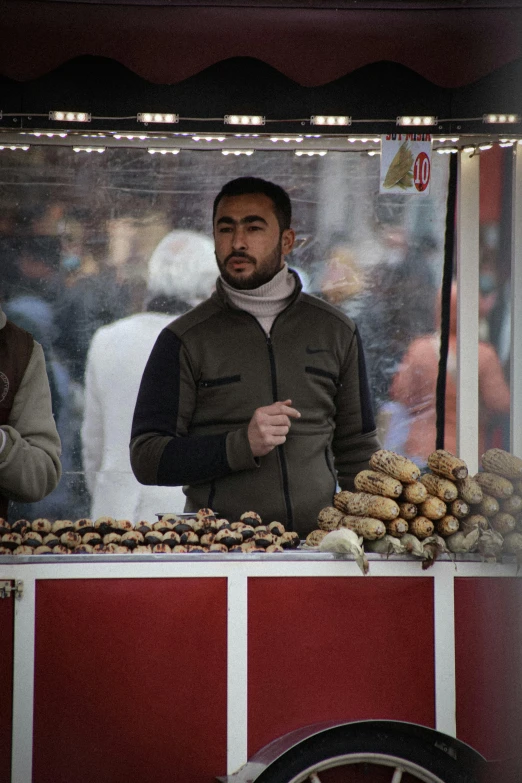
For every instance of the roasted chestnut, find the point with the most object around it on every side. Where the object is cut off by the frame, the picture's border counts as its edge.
(289, 540)
(51, 540)
(154, 537)
(70, 539)
(92, 539)
(11, 541)
(171, 539)
(32, 539)
(84, 526)
(62, 526)
(132, 539)
(42, 526)
(23, 550)
(251, 518)
(105, 525)
(20, 526)
(276, 528)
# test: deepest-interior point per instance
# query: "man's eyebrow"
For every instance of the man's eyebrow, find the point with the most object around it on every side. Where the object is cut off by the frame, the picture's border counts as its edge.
(246, 219)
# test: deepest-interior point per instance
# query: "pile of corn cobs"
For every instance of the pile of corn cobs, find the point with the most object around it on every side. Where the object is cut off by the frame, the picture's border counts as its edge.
(396, 510)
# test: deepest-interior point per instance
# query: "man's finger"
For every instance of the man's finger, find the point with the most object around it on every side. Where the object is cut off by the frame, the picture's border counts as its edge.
(292, 412)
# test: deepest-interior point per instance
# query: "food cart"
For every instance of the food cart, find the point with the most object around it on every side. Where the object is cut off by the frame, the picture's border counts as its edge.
(267, 667)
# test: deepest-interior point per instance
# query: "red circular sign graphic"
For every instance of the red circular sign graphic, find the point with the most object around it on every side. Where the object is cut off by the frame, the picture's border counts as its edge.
(421, 171)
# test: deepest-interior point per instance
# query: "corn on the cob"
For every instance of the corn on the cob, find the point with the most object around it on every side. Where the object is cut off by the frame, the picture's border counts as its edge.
(512, 505)
(488, 506)
(395, 465)
(340, 497)
(518, 487)
(447, 525)
(433, 508)
(407, 510)
(490, 545)
(345, 541)
(329, 518)
(433, 546)
(367, 527)
(518, 523)
(377, 483)
(459, 508)
(421, 527)
(513, 543)
(503, 523)
(469, 490)
(474, 520)
(463, 542)
(446, 464)
(440, 487)
(412, 544)
(387, 545)
(364, 504)
(495, 485)
(414, 493)
(503, 463)
(315, 537)
(397, 527)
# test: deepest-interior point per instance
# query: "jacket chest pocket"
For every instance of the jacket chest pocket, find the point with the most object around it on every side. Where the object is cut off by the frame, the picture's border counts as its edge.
(211, 383)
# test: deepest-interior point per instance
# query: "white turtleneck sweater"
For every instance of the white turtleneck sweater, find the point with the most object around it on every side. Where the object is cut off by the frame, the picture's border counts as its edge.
(266, 302)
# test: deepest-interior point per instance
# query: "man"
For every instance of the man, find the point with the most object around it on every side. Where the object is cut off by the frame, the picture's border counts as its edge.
(29, 442)
(117, 357)
(257, 399)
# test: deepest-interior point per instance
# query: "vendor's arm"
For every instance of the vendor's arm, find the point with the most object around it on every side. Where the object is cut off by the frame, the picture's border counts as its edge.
(355, 437)
(161, 451)
(29, 443)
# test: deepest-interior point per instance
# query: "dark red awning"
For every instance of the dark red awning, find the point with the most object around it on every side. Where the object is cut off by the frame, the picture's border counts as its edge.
(450, 44)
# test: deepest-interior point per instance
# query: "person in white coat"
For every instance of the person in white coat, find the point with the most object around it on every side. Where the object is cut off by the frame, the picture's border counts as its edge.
(181, 273)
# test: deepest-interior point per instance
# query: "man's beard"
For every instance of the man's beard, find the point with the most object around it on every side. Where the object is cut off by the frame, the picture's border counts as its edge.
(271, 266)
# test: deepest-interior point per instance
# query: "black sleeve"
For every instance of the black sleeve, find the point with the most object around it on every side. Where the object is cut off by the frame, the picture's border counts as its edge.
(159, 454)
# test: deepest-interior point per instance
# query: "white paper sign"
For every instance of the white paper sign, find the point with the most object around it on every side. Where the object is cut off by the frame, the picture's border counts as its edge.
(405, 163)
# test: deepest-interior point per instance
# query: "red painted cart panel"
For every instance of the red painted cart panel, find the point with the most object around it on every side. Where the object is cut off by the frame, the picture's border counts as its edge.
(332, 648)
(488, 651)
(128, 685)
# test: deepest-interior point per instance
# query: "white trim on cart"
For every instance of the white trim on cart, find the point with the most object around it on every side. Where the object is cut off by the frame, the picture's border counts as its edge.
(23, 684)
(237, 672)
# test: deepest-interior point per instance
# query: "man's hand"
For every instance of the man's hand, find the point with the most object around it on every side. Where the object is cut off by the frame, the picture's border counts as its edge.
(269, 426)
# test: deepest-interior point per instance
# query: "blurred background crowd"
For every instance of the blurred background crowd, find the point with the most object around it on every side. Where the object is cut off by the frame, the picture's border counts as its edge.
(98, 253)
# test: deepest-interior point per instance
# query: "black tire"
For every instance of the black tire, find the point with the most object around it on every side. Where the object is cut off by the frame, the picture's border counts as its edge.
(427, 752)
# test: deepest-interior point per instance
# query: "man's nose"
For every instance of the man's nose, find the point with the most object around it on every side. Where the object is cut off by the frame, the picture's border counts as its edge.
(239, 238)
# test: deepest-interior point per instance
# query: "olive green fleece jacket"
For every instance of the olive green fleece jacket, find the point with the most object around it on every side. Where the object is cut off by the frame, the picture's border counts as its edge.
(29, 443)
(208, 372)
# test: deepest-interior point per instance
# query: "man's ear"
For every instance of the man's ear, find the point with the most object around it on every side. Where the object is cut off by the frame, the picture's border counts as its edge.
(287, 240)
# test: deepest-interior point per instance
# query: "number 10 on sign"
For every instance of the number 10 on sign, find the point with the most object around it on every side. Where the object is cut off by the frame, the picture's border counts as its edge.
(421, 171)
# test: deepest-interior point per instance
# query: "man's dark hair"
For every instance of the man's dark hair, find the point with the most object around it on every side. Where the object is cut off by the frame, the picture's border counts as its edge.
(248, 185)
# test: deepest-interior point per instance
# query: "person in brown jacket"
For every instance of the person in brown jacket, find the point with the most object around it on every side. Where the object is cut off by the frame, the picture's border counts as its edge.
(30, 446)
(257, 399)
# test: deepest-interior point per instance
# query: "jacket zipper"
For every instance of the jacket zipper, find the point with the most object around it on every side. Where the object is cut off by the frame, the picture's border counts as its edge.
(280, 449)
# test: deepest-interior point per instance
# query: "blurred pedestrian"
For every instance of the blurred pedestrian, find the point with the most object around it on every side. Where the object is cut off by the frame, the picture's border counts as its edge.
(414, 386)
(181, 273)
